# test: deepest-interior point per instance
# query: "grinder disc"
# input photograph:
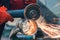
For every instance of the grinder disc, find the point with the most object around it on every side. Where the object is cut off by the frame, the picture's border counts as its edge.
(32, 11)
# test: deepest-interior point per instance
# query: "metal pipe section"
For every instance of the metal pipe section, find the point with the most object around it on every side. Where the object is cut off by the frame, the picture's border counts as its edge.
(16, 13)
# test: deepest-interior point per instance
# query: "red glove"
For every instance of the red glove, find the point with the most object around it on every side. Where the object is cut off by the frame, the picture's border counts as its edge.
(4, 15)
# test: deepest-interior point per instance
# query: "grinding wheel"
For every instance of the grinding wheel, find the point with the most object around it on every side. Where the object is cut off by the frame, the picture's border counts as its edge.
(32, 11)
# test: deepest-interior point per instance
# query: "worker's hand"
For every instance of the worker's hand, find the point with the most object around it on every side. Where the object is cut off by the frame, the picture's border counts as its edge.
(4, 15)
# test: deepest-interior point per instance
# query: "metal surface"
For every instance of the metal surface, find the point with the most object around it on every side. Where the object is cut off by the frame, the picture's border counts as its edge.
(28, 27)
(25, 29)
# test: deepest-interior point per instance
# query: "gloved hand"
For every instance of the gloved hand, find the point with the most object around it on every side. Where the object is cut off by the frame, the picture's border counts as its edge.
(4, 15)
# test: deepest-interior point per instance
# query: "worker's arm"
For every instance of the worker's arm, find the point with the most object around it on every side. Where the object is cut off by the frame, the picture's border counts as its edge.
(4, 15)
